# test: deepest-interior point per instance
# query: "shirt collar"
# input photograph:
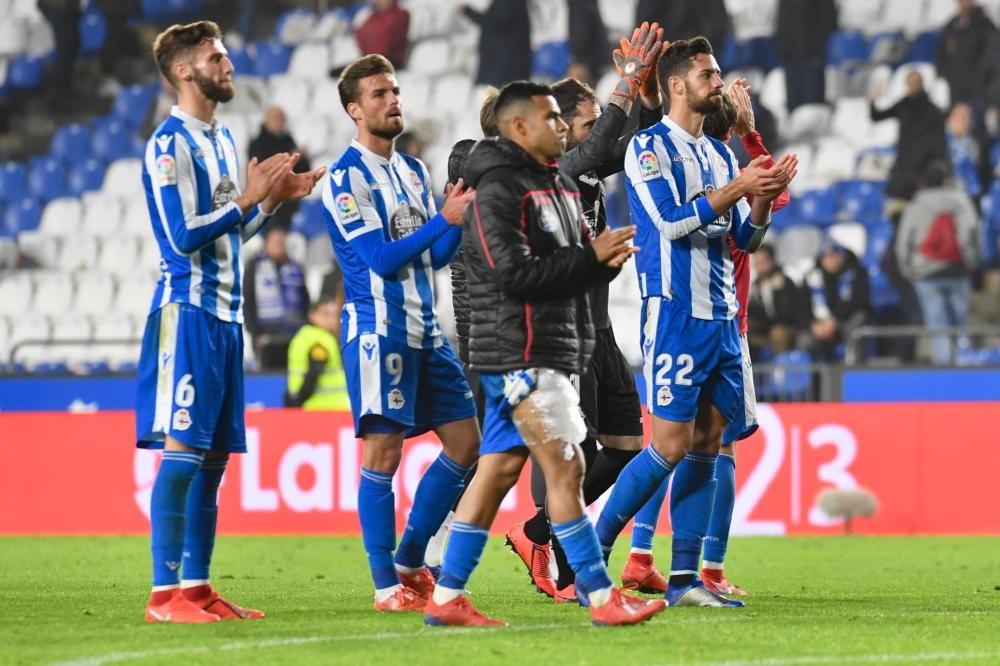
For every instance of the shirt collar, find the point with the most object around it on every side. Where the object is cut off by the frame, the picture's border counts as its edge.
(375, 156)
(192, 121)
(680, 131)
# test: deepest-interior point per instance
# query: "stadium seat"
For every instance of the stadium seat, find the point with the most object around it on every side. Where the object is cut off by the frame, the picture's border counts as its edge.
(773, 93)
(818, 206)
(809, 121)
(924, 47)
(40, 247)
(791, 377)
(937, 14)
(297, 248)
(995, 160)
(135, 218)
(13, 36)
(16, 292)
(883, 295)
(906, 16)
(71, 144)
(242, 62)
(309, 220)
(846, 47)
(54, 293)
(118, 254)
(887, 47)
(549, 61)
(135, 295)
(95, 293)
(85, 176)
(79, 254)
(25, 72)
(345, 51)
(835, 159)
(132, 104)
(289, 93)
(148, 259)
(415, 87)
(851, 235)
(270, 58)
(319, 252)
(333, 24)
(169, 11)
(310, 61)
(251, 94)
(116, 326)
(859, 14)
(6, 232)
(12, 178)
(23, 215)
(61, 217)
(874, 163)
(851, 121)
(93, 31)
(431, 57)
(879, 242)
(295, 27)
(46, 180)
(797, 244)
(33, 328)
(884, 134)
(110, 139)
(73, 331)
(102, 213)
(124, 178)
(861, 200)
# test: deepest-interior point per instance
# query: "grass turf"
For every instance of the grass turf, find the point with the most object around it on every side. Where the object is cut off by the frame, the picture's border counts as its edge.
(850, 600)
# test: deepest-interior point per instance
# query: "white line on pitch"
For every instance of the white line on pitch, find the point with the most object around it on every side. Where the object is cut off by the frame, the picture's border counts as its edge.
(884, 658)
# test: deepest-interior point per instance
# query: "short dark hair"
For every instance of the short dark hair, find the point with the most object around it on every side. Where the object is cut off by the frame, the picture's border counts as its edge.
(457, 159)
(349, 83)
(678, 58)
(718, 123)
(516, 92)
(178, 41)
(487, 114)
(569, 93)
(937, 173)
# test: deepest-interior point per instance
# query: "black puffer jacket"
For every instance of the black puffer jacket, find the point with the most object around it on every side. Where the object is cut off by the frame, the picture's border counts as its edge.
(528, 262)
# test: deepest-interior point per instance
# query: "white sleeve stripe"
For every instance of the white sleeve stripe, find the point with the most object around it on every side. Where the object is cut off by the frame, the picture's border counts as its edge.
(672, 230)
(151, 171)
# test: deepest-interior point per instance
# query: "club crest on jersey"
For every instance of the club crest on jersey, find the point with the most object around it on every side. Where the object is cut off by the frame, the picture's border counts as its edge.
(416, 182)
(720, 225)
(182, 419)
(649, 166)
(396, 399)
(405, 220)
(166, 170)
(663, 396)
(347, 207)
(225, 192)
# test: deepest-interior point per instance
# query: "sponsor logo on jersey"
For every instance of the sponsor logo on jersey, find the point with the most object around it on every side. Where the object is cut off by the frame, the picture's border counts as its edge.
(720, 225)
(405, 221)
(224, 192)
(347, 207)
(649, 166)
(396, 399)
(166, 170)
(182, 419)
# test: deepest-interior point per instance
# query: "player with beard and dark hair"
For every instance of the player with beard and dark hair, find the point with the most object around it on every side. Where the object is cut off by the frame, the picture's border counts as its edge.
(687, 196)
(190, 384)
(402, 376)
(596, 144)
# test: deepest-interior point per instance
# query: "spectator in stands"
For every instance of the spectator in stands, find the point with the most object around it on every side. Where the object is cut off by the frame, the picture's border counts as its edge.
(964, 149)
(683, 19)
(937, 247)
(273, 139)
(991, 87)
(962, 51)
(384, 30)
(777, 306)
(839, 292)
(276, 302)
(315, 371)
(801, 35)
(588, 41)
(64, 17)
(921, 135)
(504, 41)
(410, 144)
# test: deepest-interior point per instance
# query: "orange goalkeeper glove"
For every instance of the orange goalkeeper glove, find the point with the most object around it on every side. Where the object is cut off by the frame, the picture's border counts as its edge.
(636, 59)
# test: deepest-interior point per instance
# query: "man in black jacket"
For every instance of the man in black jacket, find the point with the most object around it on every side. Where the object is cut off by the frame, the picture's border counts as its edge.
(504, 41)
(530, 264)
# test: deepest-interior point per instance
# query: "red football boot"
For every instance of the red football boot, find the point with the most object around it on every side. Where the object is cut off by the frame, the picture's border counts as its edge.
(206, 598)
(625, 609)
(715, 580)
(641, 574)
(171, 606)
(403, 599)
(536, 559)
(420, 581)
(459, 612)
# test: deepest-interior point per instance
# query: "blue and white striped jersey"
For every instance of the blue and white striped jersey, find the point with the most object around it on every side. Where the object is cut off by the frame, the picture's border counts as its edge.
(366, 194)
(191, 178)
(684, 254)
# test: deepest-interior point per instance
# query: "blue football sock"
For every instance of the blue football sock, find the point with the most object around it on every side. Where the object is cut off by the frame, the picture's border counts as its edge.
(635, 485)
(717, 538)
(200, 518)
(377, 512)
(690, 509)
(166, 513)
(648, 516)
(579, 541)
(465, 546)
(436, 493)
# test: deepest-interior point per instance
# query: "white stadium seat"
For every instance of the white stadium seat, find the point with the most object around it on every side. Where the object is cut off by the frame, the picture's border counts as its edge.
(809, 121)
(116, 326)
(16, 291)
(251, 94)
(124, 178)
(290, 94)
(148, 261)
(862, 15)
(42, 248)
(118, 254)
(798, 243)
(61, 217)
(54, 293)
(310, 61)
(851, 235)
(345, 51)
(772, 92)
(835, 159)
(79, 254)
(95, 293)
(431, 57)
(135, 218)
(851, 121)
(135, 296)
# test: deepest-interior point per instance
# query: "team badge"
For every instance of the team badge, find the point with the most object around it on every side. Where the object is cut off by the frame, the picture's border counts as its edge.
(347, 207)
(396, 400)
(182, 419)
(664, 397)
(649, 166)
(416, 182)
(166, 170)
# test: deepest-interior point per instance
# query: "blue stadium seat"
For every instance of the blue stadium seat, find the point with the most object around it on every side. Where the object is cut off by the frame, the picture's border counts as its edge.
(24, 215)
(11, 181)
(879, 242)
(846, 47)
(792, 376)
(924, 47)
(47, 179)
(111, 140)
(85, 176)
(308, 220)
(818, 206)
(5, 231)
(763, 53)
(71, 144)
(887, 47)
(171, 10)
(861, 200)
(789, 216)
(93, 31)
(25, 72)
(550, 60)
(270, 58)
(132, 104)
(242, 62)
(882, 294)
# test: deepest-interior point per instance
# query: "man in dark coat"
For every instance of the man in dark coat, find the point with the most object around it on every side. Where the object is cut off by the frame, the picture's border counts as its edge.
(504, 41)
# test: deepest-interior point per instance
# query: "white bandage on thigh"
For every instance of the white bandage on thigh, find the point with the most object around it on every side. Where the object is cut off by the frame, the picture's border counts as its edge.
(554, 408)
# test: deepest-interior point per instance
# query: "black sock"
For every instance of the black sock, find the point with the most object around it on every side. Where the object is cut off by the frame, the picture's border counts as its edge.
(681, 580)
(602, 474)
(537, 528)
(566, 574)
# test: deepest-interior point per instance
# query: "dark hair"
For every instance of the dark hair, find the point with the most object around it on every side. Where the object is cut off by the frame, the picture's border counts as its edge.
(457, 159)
(487, 114)
(178, 41)
(937, 173)
(569, 93)
(516, 92)
(718, 123)
(678, 58)
(349, 83)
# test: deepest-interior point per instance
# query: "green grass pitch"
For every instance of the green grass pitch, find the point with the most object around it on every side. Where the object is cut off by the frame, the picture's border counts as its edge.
(848, 600)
